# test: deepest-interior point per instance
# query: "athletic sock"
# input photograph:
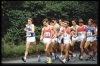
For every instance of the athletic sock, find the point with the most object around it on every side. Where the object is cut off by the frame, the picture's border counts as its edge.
(38, 55)
(25, 58)
(53, 54)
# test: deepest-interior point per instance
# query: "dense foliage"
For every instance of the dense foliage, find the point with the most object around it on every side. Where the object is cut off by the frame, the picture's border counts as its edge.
(16, 13)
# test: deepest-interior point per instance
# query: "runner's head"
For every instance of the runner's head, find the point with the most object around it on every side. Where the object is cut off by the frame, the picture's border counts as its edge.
(52, 23)
(45, 22)
(61, 21)
(66, 23)
(73, 22)
(95, 23)
(81, 22)
(30, 20)
(90, 22)
(54, 20)
(62, 24)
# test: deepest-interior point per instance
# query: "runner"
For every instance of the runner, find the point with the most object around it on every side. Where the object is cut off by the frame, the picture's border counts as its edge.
(60, 37)
(81, 31)
(91, 33)
(46, 36)
(71, 54)
(67, 41)
(51, 50)
(74, 35)
(30, 37)
(54, 39)
(96, 38)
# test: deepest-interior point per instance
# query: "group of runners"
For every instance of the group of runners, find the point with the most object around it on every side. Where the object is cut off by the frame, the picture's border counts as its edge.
(66, 36)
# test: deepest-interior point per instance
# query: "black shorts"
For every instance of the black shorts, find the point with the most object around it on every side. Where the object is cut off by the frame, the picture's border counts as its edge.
(62, 41)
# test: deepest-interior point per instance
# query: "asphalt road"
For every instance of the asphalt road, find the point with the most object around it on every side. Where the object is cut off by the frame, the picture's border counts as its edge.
(33, 60)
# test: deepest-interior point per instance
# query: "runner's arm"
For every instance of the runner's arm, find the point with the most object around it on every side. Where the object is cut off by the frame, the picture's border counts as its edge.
(60, 32)
(32, 29)
(25, 29)
(71, 28)
(95, 33)
(52, 31)
(42, 33)
(57, 26)
(77, 31)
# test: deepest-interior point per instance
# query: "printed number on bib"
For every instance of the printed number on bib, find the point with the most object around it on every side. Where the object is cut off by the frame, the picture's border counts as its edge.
(47, 34)
(80, 33)
(28, 34)
(89, 33)
(65, 35)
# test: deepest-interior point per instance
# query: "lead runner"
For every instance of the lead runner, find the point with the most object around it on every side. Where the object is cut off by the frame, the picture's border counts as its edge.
(30, 37)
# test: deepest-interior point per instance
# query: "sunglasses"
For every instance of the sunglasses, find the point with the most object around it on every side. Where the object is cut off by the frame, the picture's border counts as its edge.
(80, 22)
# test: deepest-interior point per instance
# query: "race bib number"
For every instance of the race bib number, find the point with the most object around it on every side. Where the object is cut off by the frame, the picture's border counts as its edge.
(89, 33)
(28, 34)
(47, 34)
(64, 35)
(79, 33)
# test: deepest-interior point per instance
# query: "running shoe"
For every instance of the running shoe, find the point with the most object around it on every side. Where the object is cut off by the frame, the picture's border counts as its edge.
(49, 61)
(39, 59)
(61, 57)
(53, 58)
(74, 57)
(63, 61)
(81, 57)
(93, 59)
(89, 58)
(23, 60)
(46, 61)
(56, 57)
(68, 59)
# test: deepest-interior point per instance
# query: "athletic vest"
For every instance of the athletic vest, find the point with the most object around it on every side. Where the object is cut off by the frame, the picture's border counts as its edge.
(81, 29)
(59, 28)
(47, 32)
(89, 30)
(75, 28)
(66, 33)
(28, 34)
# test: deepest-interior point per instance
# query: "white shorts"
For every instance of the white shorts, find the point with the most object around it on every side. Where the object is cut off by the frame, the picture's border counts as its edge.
(67, 41)
(46, 40)
(54, 39)
(80, 37)
(73, 38)
(95, 38)
(59, 39)
(90, 39)
(30, 39)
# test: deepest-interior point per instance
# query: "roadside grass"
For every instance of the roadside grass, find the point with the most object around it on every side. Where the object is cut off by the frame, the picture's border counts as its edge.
(18, 50)
(11, 50)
